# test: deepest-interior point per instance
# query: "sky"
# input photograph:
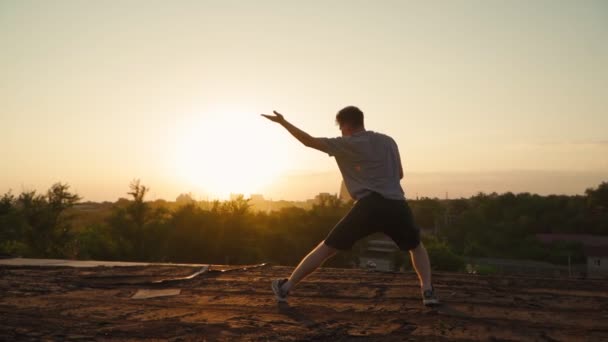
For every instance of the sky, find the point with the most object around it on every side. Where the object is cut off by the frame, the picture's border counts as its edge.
(479, 95)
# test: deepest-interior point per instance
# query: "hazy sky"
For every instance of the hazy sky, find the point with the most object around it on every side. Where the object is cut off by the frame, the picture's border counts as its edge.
(479, 95)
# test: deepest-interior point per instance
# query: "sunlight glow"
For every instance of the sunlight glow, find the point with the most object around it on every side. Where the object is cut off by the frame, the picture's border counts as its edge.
(231, 152)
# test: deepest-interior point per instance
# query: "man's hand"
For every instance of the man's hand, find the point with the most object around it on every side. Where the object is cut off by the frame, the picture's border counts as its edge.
(299, 134)
(277, 117)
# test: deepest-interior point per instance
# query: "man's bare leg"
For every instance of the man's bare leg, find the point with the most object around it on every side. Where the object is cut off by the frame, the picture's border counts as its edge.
(309, 264)
(422, 265)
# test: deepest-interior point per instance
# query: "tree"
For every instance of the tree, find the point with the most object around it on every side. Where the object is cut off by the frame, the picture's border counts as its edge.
(597, 203)
(427, 212)
(46, 229)
(11, 227)
(140, 231)
(185, 199)
(598, 198)
(138, 208)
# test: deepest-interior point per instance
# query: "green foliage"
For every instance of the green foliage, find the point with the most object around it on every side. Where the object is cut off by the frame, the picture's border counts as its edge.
(442, 257)
(401, 261)
(485, 270)
(427, 212)
(14, 248)
(485, 225)
(597, 208)
(96, 243)
(505, 226)
(598, 198)
(138, 230)
(35, 225)
(11, 222)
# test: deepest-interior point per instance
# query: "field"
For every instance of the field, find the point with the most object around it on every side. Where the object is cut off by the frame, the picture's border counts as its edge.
(229, 303)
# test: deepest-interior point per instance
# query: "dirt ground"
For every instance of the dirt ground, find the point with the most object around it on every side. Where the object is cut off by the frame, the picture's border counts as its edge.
(95, 303)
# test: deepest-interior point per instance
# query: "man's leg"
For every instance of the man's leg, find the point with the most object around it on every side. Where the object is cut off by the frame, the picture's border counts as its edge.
(311, 262)
(345, 233)
(422, 265)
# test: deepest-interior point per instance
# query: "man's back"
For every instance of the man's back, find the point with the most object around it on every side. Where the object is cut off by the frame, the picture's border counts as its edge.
(369, 162)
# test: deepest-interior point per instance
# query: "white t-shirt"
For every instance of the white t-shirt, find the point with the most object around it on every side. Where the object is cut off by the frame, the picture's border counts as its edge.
(369, 162)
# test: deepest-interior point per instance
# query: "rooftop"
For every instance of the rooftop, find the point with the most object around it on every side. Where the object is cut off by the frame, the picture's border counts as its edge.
(42, 300)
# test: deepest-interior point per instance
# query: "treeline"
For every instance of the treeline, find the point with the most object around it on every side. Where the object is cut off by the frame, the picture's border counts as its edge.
(506, 225)
(486, 225)
(40, 225)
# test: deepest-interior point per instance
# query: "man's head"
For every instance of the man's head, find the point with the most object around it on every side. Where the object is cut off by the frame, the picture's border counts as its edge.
(350, 120)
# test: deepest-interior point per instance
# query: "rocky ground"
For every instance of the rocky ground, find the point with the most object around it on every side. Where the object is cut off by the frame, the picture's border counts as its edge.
(233, 304)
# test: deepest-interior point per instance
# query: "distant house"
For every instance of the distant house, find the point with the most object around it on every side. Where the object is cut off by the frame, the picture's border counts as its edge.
(597, 261)
(259, 203)
(88, 206)
(256, 198)
(379, 254)
(323, 197)
(595, 248)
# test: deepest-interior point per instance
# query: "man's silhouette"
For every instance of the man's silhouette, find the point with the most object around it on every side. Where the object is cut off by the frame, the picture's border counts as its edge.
(371, 168)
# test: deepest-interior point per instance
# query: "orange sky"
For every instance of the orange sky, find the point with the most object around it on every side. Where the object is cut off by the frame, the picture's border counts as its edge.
(480, 96)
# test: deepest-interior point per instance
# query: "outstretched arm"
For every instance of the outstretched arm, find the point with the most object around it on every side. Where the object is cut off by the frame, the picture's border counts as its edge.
(299, 134)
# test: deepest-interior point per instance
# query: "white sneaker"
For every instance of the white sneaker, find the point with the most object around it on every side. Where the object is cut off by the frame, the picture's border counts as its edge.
(429, 298)
(279, 294)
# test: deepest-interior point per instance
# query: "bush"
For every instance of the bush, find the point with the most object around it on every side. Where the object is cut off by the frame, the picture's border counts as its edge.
(442, 257)
(13, 248)
(481, 269)
(95, 242)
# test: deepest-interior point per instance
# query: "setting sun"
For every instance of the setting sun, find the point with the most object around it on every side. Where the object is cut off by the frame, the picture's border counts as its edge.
(233, 152)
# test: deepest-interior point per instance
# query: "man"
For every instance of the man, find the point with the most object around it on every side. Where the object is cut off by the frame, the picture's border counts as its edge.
(371, 168)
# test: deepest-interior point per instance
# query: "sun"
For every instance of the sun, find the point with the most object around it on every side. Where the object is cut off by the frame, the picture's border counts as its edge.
(227, 152)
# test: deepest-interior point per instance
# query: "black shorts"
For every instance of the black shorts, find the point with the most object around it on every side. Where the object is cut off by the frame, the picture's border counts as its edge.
(374, 213)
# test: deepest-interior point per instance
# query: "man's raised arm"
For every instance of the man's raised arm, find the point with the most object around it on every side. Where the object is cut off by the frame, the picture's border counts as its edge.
(299, 134)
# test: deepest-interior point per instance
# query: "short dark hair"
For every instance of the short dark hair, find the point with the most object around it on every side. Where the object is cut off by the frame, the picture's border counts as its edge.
(350, 115)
